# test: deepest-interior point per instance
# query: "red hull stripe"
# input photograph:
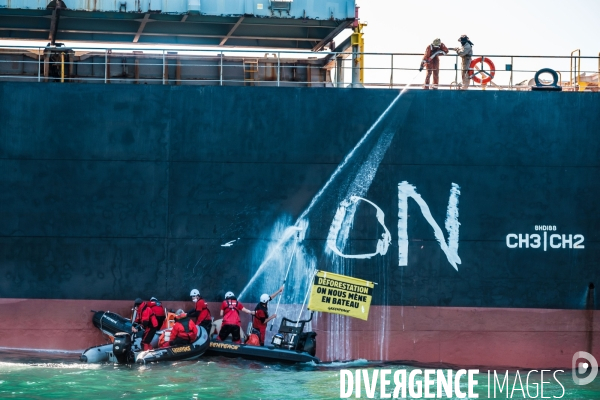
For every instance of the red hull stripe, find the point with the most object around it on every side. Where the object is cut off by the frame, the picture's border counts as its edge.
(452, 336)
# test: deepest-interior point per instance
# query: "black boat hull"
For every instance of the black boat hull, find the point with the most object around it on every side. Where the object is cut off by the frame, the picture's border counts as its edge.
(259, 353)
(176, 353)
(104, 352)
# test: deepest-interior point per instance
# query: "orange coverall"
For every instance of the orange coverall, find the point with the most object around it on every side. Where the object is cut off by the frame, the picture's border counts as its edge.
(433, 64)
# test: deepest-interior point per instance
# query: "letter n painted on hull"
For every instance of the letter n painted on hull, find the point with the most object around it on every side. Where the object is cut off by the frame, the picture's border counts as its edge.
(406, 190)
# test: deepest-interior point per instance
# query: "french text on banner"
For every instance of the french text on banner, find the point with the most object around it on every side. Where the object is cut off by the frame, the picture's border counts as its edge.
(340, 294)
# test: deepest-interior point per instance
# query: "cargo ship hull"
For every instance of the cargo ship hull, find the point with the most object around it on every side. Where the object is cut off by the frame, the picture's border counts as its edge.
(112, 192)
(437, 336)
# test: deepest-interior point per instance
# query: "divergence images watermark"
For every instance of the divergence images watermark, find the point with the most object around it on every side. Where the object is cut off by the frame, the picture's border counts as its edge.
(436, 384)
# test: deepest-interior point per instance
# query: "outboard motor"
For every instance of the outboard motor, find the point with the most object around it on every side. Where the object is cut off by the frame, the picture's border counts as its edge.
(111, 323)
(122, 347)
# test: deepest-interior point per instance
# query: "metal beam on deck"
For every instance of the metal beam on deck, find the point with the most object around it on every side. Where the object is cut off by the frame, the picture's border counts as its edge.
(340, 51)
(56, 6)
(327, 39)
(167, 34)
(231, 31)
(143, 23)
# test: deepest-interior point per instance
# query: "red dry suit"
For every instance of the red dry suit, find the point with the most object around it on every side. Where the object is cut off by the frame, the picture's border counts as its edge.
(202, 313)
(261, 313)
(184, 331)
(231, 312)
(153, 317)
(231, 320)
(139, 312)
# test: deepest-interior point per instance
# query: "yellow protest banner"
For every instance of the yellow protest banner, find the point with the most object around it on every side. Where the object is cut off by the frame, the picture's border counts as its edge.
(340, 294)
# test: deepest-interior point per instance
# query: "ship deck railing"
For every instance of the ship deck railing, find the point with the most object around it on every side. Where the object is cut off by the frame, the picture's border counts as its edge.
(245, 67)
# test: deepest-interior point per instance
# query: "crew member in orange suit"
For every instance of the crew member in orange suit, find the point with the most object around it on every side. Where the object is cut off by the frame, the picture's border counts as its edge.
(431, 61)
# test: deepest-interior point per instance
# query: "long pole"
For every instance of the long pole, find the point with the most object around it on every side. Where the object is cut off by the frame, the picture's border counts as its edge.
(62, 67)
(355, 66)
(511, 73)
(392, 73)
(221, 71)
(305, 297)
(286, 275)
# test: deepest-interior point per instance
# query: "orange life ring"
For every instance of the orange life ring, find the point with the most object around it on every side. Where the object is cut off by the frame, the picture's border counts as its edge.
(489, 75)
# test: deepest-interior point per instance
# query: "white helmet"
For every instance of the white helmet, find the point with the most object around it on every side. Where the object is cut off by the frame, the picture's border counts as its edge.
(229, 295)
(194, 292)
(264, 298)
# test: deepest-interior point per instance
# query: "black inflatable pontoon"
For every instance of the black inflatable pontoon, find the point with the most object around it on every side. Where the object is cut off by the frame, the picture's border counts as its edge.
(290, 345)
(111, 323)
(127, 348)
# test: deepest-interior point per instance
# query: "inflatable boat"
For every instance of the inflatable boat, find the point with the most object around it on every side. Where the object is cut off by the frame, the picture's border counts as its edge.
(126, 346)
(290, 345)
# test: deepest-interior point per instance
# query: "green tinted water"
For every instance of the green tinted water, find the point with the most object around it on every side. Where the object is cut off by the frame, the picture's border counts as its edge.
(51, 376)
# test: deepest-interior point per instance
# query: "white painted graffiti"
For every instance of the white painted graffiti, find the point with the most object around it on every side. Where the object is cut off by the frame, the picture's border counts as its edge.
(230, 243)
(336, 225)
(405, 190)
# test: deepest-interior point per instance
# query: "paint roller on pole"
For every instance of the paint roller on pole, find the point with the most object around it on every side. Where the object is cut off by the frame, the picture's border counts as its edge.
(298, 229)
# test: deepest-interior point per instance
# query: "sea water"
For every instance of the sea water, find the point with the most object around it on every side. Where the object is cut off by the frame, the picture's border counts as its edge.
(62, 376)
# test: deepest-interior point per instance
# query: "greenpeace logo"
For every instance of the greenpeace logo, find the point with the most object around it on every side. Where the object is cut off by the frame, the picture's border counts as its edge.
(181, 349)
(224, 346)
(338, 309)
